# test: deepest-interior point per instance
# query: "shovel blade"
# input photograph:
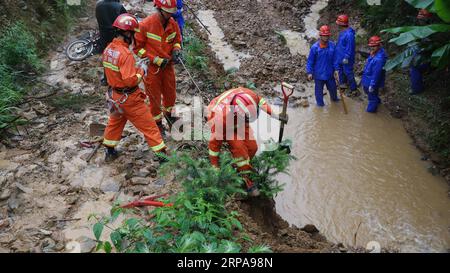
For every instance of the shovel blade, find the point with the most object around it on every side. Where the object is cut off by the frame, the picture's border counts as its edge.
(96, 129)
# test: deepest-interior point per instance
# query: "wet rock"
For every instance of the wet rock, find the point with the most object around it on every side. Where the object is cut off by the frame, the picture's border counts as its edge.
(86, 244)
(48, 245)
(29, 115)
(45, 232)
(5, 223)
(6, 238)
(144, 172)
(310, 229)
(24, 170)
(6, 193)
(160, 182)
(140, 181)
(4, 250)
(110, 186)
(13, 202)
(23, 188)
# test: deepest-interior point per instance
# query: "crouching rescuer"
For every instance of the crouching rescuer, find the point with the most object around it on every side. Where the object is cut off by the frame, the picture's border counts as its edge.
(229, 116)
(125, 99)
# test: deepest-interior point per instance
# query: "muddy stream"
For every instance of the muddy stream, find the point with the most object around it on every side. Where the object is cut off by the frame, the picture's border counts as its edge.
(357, 177)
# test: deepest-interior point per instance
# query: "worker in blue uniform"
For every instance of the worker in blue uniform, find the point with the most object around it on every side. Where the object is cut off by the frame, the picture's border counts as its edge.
(321, 66)
(374, 75)
(345, 53)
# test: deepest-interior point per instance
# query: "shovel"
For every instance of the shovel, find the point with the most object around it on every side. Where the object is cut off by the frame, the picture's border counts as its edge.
(286, 96)
(96, 132)
(341, 94)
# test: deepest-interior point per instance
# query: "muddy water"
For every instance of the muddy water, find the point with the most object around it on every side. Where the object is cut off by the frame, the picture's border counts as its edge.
(230, 58)
(361, 170)
(357, 177)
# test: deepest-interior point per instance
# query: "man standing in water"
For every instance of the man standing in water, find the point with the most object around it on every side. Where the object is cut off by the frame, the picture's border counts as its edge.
(321, 65)
(373, 77)
(345, 53)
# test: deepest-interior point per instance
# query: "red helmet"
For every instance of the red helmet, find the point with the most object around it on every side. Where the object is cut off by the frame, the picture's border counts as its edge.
(424, 14)
(169, 6)
(325, 31)
(342, 20)
(126, 22)
(374, 41)
(245, 106)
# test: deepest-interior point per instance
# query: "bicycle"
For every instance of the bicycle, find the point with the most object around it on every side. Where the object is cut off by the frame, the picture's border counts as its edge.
(84, 47)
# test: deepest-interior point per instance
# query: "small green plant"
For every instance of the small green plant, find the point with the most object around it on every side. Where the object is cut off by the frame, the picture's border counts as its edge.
(194, 53)
(198, 220)
(268, 165)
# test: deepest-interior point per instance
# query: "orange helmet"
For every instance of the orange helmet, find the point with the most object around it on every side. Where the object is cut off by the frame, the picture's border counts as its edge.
(424, 14)
(126, 22)
(375, 41)
(245, 106)
(342, 20)
(169, 6)
(325, 31)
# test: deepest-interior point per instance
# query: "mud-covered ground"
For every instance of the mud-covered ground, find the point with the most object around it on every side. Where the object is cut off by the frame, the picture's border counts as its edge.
(47, 188)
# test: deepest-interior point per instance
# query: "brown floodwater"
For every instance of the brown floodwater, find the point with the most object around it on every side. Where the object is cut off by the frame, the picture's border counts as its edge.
(356, 170)
(361, 170)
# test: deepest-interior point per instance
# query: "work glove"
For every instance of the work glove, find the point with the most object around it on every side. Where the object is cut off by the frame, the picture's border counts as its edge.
(371, 89)
(176, 55)
(161, 62)
(310, 77)
(345, 61)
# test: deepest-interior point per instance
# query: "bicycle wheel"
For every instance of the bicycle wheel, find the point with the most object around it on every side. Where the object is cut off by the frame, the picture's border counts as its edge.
(79, 50)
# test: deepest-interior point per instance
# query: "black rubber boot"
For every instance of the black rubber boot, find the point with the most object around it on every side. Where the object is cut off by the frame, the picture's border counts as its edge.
(161, 128)
(111, 154)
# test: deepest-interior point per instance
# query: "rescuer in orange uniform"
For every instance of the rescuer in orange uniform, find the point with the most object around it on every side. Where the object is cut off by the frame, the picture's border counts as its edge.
(125, 98)
(159, 40)
(226, 114)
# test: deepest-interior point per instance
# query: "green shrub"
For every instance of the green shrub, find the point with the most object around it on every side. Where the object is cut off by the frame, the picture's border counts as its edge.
(19, 50)
(194, 53)
(198, 221)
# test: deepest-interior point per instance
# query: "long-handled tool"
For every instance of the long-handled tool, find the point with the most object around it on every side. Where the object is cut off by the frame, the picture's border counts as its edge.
(196, 17)
(285, 104)
(189, 74)
(96, 132)
(341, 94)
(149, 201)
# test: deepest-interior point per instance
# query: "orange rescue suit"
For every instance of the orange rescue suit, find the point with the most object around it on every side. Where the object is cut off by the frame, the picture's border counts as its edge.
(243, 148)
(155, 42)
(121, 73)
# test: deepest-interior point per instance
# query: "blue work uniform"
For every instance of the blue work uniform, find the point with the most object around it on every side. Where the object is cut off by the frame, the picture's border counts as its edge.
(374, 76)
(178, 16)
(321, 64)
(345, 49)
(415, 73)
